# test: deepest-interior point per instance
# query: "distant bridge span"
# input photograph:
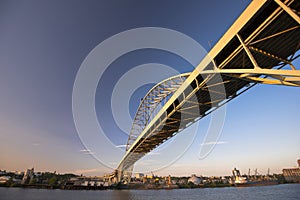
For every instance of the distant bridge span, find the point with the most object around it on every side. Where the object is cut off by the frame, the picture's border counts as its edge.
(259, 47)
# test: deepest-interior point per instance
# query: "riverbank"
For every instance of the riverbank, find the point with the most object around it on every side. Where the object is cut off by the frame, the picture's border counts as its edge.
(276, 192)
(121, 187)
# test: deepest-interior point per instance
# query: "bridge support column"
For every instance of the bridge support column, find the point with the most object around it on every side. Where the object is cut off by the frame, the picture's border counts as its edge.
(124, 175)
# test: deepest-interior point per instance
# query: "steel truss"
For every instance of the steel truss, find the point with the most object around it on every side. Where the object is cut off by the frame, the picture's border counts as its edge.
(152, 103)
(263, 56)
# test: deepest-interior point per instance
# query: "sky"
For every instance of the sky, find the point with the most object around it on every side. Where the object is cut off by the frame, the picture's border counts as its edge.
(44, 43)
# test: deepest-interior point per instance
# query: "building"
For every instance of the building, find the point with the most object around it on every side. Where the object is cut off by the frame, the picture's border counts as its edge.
(87, 181)
(195, 180)
(139, 176)
(2, 172)
(292, 174)
(4, 179)
(28, 175)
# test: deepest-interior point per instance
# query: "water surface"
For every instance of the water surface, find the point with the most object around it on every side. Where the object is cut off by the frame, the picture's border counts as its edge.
(275, 192)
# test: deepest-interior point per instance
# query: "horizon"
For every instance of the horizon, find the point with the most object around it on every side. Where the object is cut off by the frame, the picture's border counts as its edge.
(252, 172)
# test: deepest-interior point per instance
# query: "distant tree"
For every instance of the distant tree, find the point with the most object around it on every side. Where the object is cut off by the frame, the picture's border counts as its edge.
(9, 182)
(52, 181)
(191, 184)
(33, 181)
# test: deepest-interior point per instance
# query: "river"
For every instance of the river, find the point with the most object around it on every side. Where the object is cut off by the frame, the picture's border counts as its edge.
(275, 192)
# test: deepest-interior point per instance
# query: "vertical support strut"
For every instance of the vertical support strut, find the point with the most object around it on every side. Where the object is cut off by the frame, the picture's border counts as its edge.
(248, 52)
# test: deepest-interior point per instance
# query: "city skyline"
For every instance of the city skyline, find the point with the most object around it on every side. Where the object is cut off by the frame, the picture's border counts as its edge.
(41, 54)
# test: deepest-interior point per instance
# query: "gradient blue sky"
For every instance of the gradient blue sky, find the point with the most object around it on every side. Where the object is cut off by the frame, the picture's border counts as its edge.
(43, 44)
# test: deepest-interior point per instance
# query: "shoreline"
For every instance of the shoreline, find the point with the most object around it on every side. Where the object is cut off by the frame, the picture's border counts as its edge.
(123, 187)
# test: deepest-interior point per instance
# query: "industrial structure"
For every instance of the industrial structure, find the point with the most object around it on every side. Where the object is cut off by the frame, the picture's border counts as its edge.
(259, 47)
(292, 175)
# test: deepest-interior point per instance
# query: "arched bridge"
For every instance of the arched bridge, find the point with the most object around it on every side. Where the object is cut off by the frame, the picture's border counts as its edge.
(259, 47)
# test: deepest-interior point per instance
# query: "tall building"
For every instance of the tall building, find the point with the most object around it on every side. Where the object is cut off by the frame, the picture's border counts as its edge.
(28, 175)
(292, 174)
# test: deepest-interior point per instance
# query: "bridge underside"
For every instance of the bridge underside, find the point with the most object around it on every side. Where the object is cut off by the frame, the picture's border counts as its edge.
(259, 47)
